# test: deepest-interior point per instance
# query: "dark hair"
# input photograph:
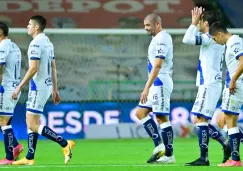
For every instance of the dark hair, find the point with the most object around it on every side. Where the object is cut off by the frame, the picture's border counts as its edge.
(4, 28)
(210, 17)
(40, 20)
(217, 27)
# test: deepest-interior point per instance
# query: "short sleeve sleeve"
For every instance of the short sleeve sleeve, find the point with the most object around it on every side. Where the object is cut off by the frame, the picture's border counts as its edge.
(237, 48)
(35, 50)
(3, 55)
(162, 47)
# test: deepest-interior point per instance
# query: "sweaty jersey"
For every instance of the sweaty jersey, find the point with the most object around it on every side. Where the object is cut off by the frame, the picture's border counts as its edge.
(161, 47)
(41, 48)
(10, 57)
(234, 49)
(211, 55)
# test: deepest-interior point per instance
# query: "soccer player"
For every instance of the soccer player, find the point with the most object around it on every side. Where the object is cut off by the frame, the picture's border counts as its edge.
(43, 83)
(10, 65)
(156, 94)
(209, 82)
(233, 91)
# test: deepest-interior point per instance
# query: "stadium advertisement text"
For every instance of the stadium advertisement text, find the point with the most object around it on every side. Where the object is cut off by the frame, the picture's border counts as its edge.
(72, 120)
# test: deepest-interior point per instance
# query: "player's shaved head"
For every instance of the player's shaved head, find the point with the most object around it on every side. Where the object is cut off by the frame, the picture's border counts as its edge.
(154, 18)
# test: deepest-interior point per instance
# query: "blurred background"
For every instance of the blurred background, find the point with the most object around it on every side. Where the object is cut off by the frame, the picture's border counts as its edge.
(101, 56)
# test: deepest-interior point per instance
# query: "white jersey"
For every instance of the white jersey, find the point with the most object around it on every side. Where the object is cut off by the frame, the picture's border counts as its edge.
(10, 57)
(210, 58)
(161, 47)
(233, 51)
(41, 48)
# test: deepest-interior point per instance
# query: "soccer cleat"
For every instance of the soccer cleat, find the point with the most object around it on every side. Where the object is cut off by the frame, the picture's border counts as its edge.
(231, 163)
(6, 161)
(24, 161)
(67, 151)
(166, 159)
(157, 153)
(198, 162)
(227, 153)
(17, 150)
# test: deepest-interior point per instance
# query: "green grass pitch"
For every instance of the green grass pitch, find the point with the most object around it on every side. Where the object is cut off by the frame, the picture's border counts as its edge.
(116, 155)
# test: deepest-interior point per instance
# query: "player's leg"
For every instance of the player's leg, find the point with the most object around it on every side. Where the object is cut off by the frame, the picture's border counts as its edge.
(151, 128)
(202, 128)
(6, 113)
(161, 108)
(231, 107)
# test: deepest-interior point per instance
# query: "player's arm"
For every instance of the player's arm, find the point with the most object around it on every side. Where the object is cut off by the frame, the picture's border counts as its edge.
(35, 51)
(238, 53)
(55, 94)
(3, 56)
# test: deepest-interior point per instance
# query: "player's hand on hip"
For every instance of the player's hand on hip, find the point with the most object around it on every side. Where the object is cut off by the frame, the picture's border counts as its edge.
(196, 13)
(232, 87)
(56, 97)
(144, 96)
(16, 93)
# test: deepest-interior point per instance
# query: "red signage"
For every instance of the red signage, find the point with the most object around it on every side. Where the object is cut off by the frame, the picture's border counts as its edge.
(96, 13)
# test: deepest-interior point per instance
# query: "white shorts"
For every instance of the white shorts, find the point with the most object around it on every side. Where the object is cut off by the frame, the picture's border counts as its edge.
(37, 100)
(206, 100)
(159, 98)
(7, 104)
(231, 103)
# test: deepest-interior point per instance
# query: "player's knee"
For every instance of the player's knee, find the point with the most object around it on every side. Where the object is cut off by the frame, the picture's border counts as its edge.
(220, 124)
(162, 119)
(141, 113)
(4, 121)
(33, 127)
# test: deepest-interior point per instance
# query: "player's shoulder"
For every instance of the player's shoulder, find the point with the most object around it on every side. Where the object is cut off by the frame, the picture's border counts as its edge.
(5, 44)
(163, 36)
(234, 40)
(39, 40)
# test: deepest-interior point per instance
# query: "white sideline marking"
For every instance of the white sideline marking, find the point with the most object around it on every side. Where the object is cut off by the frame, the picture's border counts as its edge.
(89, 165)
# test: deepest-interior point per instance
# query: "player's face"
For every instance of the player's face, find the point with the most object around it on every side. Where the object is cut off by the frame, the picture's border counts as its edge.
(31, 27)
(149, 27)
(219, 38)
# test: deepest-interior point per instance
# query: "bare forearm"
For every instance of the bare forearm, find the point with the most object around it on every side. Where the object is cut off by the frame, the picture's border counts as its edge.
(152, 77)
(54, 79)
(28, 76)
(238, 72)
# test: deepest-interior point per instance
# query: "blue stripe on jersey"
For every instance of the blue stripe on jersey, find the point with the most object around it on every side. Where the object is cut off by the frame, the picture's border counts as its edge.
(2, 63)
(199, 68)
(198, 40)
(158, 82)
(237, 57)
(5, 113)
(229, 112)
(34, 58)
(32, 85)
(227, 79)
(161, 56)
(150, 67)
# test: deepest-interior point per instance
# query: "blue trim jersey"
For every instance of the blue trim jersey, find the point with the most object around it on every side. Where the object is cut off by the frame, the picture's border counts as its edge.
(211, 55)
(234, 49)
(161, 47)
(41, 48)
(10, 57)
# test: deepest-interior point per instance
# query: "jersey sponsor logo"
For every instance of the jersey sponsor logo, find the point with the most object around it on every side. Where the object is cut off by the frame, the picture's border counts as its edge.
(48, 81)
(15, 84)
(218, 77)
(159, 51)
(237, 43)
(37, 46)
(161, 44)
(236, 50)
(1, 51)
(33, 52)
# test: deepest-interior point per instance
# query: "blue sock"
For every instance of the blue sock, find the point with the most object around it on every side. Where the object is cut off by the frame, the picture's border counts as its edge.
(32, 142)
(50, 134)
(152, 130)
(216, 135)
(203, 139)
(167, 135)
(8, 141)
(241, 136)
(234, 139)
